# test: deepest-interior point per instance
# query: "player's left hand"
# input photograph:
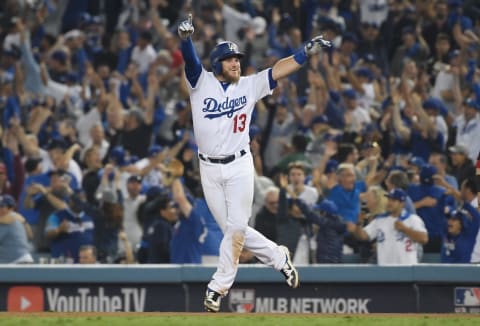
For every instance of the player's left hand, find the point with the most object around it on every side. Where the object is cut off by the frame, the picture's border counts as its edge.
(316, 44)
(186, 29)
(399, 226)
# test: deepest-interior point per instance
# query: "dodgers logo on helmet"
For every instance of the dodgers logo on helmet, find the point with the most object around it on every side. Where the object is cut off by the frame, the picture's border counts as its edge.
(221, 52)
(241, 300)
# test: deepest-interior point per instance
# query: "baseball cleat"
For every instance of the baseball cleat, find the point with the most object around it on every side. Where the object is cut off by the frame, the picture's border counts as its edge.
(288, 270)
(212, 301)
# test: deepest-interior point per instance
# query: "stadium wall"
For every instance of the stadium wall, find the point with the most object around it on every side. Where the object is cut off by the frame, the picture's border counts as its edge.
(426, 288)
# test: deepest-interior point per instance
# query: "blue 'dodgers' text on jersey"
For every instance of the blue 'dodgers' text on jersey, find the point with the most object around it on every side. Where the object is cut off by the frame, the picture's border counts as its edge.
(227, 107)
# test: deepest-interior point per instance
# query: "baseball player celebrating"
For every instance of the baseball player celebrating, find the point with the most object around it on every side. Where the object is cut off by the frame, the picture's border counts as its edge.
(222, 105)
(398, 233)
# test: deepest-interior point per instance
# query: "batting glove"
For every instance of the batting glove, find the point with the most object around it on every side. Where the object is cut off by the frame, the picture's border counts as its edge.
(316, 44)
(186, 29)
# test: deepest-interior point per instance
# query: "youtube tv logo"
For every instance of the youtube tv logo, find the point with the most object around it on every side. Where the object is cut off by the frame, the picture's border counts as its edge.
(25, 299)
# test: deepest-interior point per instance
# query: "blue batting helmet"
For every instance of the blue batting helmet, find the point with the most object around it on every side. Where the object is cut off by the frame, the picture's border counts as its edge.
(221, 52)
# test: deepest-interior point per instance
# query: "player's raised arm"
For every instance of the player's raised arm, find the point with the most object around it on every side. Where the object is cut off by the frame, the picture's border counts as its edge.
(288, 65)
(193, 67)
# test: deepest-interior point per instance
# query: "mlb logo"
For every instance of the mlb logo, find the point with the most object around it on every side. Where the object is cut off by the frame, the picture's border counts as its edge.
(241, 300)
(25, 299)
(467, 297)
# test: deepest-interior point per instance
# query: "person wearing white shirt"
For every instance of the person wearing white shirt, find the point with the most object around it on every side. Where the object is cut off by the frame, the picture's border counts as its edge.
(132, 201)
(398, 234)
(309, 195)
(469, 190)
(356, 117)
(144, 54)
(297, 175)
(97, 138)
(468, 128)
(147, 167)
(86, 122)
(56, 150)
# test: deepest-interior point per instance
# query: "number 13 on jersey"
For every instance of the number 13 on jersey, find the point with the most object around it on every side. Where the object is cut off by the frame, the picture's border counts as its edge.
(239, 122)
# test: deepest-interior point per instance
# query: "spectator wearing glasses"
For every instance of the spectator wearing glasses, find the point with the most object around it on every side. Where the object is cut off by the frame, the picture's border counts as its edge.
(265, 222)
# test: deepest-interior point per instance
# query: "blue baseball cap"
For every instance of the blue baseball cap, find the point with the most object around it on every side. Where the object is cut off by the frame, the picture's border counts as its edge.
(370, 58)
(350, 93)
(56, 142)
(365, 72)
(417, 161)
(431, 103)
(154, 150)
(7, 201)
(331, 166)
(153, 192)
(435, 104)
(282, 101)
(327, 206)
(426, 174)
(472, 103)
(320, 119)
(60, 56)
(397, 194)
(408, 30)
(334, 96)
(135, 178)
(117, 155)
(458, 214)
(453, 54)
(349, 37)
(180, 106)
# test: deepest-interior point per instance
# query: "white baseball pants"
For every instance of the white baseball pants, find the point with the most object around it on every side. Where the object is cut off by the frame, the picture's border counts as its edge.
(228, 190)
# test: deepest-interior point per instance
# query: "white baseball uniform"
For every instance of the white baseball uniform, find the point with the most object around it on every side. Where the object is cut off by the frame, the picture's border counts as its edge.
(221, 120)
(394, 247)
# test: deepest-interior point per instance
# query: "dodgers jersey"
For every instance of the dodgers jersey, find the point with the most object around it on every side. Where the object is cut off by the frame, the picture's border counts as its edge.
(221, 118)
(394, 247)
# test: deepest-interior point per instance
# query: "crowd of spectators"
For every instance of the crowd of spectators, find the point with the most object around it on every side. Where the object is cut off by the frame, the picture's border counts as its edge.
(95, 120)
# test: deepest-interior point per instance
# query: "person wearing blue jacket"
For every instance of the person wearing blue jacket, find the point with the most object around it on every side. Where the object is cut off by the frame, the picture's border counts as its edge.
(430, 202)
(457, 245)
(332, 228)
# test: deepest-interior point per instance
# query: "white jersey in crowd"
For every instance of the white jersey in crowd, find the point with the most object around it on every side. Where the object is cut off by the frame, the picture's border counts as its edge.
(309, 194)
(394, 247)
(236, 102)
(476, 248)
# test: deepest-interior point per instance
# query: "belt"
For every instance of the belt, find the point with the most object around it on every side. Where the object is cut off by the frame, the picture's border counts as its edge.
(222, 160)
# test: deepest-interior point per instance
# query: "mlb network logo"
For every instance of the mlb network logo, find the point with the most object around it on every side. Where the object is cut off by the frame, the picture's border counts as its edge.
(241, 300)
(467, 297)
(25, 299)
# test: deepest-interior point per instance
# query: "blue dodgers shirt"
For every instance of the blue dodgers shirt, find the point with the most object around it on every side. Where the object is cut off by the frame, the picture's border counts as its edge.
(348, 202)
(80, 232)
(185, 247)
(197, 235)
(213, 235)
(434, 217)
(458, 249)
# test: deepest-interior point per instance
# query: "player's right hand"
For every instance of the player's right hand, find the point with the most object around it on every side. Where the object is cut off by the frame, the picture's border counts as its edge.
(316, 44)
(186, 29)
